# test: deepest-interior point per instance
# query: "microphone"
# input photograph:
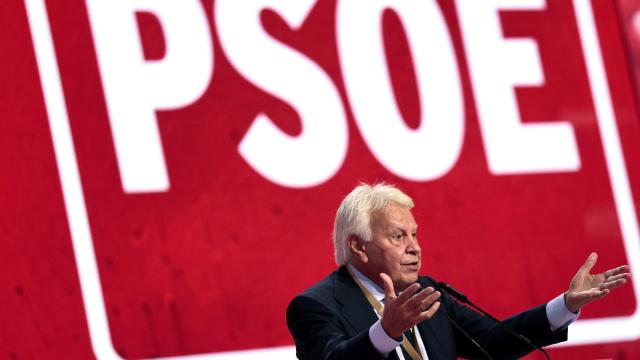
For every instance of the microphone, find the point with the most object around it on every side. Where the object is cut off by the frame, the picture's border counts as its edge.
(463, 299)
(466, 334)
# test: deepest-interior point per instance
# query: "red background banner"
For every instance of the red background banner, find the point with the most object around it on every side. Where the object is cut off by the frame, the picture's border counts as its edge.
(210, 264)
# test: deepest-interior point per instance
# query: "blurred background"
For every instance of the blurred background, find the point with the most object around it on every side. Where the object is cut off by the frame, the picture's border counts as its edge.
(170, 170)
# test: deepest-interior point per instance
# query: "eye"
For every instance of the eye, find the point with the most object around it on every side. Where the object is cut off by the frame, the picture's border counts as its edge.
(397, 237)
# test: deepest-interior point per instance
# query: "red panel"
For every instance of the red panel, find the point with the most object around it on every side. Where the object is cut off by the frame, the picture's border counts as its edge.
(211, 264)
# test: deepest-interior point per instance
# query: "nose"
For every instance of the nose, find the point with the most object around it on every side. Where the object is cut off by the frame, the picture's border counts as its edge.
(413, 247)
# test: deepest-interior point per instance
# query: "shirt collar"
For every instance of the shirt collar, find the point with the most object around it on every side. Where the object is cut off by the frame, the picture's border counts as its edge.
(373, 288)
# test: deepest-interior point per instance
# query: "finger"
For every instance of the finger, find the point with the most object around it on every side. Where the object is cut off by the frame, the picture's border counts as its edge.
(617, 277)
(431, 299)
(428, 314)
(418, 301)
(389, 291)
(616, 271)
(419, 297)
(588, 265)
(600, 294)
(613, 284)
(407, 293)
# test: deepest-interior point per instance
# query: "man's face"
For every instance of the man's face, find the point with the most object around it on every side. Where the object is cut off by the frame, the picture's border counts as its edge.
(394, 248)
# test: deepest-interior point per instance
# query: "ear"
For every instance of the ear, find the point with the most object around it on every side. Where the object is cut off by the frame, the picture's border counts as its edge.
(357, 247)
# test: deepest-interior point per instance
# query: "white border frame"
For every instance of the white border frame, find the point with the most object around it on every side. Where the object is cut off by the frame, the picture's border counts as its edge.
(621, 328)
(591, 331)
(73, 195)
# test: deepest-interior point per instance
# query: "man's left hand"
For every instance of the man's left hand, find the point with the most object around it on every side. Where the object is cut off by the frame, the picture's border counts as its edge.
(585, 287)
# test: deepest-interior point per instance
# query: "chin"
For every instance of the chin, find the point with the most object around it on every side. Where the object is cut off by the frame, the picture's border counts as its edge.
(406, 281)
(413, 277)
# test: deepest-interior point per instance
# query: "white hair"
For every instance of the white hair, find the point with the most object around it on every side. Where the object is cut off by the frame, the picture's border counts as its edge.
(353, 217)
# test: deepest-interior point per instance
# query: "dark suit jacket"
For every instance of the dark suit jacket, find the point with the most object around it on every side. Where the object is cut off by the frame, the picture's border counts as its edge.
(331, 320)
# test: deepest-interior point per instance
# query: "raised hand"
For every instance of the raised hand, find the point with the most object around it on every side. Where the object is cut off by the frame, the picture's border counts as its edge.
(585, 287)
(405, 310)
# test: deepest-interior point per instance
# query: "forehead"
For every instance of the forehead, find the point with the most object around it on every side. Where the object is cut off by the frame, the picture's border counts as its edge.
(394, 215)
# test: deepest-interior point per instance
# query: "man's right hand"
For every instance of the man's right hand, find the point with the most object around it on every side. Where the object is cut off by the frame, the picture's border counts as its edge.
(407, 309)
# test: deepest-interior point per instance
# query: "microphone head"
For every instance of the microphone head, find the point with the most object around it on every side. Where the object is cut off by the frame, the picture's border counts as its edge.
(453, 292)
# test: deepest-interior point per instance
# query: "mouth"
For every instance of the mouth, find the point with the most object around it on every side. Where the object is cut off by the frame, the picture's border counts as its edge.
(414, 266)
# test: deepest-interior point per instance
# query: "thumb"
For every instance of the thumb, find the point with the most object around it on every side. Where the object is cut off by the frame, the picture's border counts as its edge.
(389, 291)
(588, 265)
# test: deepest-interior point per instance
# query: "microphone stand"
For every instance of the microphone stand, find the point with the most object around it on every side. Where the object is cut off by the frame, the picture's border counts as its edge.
(466, 334)
(463, 299)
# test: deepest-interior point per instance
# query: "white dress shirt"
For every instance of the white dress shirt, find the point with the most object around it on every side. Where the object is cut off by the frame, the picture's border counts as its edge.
(557, 314)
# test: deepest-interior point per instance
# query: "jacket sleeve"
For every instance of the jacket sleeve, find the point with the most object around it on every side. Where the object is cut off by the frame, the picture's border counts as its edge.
(533, 324)
(319, 334)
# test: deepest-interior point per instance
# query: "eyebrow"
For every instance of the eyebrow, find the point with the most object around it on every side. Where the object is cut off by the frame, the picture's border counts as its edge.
(401, 228)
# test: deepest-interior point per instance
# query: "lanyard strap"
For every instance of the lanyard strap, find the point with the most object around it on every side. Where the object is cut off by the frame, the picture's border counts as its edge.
(408, 347)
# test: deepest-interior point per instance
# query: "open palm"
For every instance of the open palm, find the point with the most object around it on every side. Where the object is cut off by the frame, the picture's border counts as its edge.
(585, 287)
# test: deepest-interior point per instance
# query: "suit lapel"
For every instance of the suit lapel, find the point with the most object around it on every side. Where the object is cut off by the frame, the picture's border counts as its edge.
(355, 307)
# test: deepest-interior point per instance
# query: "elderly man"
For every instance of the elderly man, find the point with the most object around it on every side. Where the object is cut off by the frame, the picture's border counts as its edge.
(371, 306)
